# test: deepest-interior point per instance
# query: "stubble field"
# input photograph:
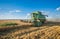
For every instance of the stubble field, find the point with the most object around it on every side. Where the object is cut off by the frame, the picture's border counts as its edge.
(24, 30)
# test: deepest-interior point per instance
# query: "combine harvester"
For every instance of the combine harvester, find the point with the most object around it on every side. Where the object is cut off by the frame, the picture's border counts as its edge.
(38, 18)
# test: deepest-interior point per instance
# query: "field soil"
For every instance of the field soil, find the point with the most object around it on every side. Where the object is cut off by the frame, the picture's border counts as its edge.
(24, 30)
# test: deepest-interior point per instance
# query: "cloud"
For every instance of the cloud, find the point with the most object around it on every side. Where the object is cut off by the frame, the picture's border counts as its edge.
(6, 16)
(28, 14)
(10, 14)
(12, 11)
(58, 9)
(17, 10)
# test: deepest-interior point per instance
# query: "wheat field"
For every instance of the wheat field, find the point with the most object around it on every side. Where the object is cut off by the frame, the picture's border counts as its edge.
(49, 30)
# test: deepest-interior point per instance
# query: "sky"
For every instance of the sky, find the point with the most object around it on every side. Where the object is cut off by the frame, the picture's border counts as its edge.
(21, 9)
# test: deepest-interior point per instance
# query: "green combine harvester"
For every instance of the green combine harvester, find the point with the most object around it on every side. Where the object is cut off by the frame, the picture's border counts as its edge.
(38, 18)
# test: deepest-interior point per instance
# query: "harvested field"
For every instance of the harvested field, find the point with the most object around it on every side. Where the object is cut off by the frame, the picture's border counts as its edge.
(49, 30)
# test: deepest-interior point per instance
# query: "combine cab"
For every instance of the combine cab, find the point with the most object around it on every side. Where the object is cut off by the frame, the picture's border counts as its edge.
(38, 18)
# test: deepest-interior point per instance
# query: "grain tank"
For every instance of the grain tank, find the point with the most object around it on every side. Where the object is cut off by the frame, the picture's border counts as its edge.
(38, 18)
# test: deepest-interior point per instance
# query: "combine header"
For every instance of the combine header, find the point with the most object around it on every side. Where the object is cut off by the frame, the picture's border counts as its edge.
(38, 18)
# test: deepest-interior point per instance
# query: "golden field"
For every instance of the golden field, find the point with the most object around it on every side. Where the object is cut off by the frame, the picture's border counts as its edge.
(24, 30)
